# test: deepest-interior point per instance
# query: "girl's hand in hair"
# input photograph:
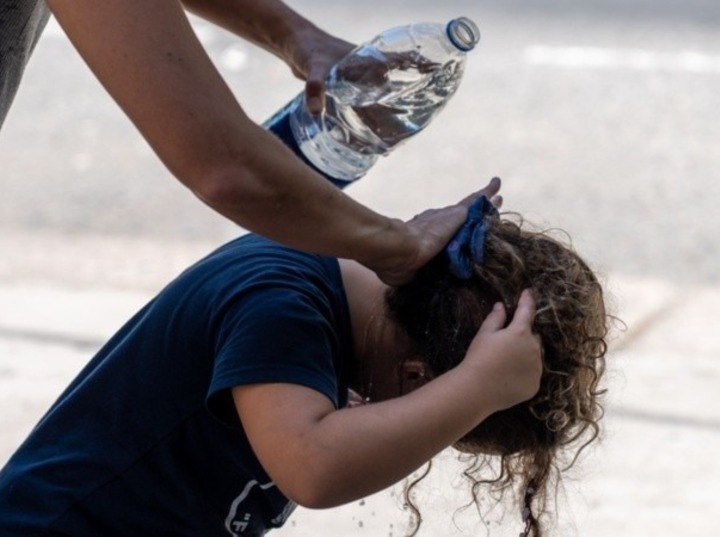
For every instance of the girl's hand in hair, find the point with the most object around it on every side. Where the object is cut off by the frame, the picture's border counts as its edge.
(322, 457)
(508, 359)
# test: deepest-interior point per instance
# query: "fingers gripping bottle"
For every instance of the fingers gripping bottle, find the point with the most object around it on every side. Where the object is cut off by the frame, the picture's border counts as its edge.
(381, 94)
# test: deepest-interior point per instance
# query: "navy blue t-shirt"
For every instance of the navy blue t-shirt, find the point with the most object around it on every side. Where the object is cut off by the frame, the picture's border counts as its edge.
(146, 440)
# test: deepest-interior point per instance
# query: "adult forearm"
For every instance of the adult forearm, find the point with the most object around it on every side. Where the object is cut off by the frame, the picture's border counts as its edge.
(269, 24)
(268, 190)
(306, 49)
(152, 64)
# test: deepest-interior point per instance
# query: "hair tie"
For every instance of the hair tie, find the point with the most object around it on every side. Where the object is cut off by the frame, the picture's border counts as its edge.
(467, 247)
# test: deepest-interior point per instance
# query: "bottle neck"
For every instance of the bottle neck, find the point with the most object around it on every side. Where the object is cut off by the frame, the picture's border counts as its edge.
(463, 33)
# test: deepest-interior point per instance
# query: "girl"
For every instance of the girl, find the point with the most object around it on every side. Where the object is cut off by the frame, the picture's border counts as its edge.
(441, 310)
(224, 401)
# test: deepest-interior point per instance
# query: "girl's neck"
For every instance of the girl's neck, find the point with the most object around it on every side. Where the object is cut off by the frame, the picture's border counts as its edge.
(365, 295)
(380, 346)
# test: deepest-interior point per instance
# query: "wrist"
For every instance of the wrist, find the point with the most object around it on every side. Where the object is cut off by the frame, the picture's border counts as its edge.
(485, 386)
(389, 249)
(284, 30)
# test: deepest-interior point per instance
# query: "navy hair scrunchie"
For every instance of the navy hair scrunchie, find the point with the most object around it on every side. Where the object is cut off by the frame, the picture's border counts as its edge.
(467, 247)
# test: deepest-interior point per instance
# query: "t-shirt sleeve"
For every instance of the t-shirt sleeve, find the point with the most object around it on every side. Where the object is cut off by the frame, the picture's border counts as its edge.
(273, 335)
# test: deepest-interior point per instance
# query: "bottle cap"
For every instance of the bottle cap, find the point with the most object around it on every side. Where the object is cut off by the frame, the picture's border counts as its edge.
(463, 33)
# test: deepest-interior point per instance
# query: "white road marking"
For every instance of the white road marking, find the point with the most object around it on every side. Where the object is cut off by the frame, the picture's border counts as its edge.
(618, 58)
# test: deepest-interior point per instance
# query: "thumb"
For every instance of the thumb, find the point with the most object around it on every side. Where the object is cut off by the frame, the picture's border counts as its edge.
(315, 89)
(439, 225)
(495, 321)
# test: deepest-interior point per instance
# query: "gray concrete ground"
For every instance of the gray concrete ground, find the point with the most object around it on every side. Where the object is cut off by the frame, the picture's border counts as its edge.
(602, 118)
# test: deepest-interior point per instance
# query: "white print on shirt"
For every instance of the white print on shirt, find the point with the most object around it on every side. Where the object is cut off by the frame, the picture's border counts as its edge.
(286, 512)
(237, 522)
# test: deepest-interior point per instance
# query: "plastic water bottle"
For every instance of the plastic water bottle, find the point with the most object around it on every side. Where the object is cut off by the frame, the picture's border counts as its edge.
(379, 95)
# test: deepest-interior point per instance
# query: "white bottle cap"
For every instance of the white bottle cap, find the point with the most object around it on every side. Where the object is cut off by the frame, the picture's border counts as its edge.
(463, 33)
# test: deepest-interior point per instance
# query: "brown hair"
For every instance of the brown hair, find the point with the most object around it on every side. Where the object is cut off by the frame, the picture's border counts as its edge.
(442, 314)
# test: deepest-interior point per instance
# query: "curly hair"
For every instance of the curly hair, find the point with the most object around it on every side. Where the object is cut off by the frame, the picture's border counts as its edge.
(539, 438)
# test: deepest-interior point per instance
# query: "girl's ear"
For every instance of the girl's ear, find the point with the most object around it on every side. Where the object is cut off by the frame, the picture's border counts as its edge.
(414, 373)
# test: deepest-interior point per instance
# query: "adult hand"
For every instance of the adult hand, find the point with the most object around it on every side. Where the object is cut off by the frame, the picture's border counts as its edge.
(432, 230)
(309, 51)
(311, 56)
(508, 359)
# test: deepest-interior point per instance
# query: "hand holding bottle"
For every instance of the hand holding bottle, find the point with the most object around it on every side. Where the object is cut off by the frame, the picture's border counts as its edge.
(310, 56)
(385, 91)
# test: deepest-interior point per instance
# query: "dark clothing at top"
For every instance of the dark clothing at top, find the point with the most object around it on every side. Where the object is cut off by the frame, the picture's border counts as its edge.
(21, 23)
(146, 440)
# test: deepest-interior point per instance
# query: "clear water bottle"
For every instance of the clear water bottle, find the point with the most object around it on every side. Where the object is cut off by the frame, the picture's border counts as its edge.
(382, 93)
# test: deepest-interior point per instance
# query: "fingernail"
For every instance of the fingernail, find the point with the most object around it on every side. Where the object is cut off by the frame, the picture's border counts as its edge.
(498, 306)
(314, 104)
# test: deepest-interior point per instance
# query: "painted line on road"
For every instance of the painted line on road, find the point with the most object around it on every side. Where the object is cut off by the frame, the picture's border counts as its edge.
(618, 58)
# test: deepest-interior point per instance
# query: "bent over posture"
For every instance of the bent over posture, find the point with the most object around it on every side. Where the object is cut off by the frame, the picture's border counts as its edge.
(224, 401)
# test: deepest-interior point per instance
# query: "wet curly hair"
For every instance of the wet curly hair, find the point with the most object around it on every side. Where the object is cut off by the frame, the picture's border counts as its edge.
(535, 440)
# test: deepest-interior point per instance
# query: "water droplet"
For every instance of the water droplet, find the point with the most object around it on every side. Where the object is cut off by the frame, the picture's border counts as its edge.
(360, 524)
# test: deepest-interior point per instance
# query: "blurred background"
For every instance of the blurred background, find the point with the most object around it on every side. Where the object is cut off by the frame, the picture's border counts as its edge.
(601, 116)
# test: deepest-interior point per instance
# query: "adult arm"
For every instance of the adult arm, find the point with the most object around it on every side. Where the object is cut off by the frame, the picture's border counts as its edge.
(309, 51)
(322, 457)
(148, 58)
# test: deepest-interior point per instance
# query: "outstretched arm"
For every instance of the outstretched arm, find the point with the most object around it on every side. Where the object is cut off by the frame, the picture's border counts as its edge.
(309, 51)
(148, 58)
(321, 457)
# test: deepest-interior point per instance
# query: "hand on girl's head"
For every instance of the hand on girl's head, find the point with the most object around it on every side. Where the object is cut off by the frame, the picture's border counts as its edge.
(510, 355)
(434, 228)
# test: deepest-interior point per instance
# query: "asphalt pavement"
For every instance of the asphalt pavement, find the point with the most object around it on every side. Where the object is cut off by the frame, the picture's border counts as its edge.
(602, 118)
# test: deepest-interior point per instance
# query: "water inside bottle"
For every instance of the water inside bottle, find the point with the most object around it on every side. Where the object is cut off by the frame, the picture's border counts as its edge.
(383, 93)
(326, 143)
(365, 119)
(374, 119)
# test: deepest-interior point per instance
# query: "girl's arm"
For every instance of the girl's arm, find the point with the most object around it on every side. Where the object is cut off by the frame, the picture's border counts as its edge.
(320, 457)
(148, 58)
